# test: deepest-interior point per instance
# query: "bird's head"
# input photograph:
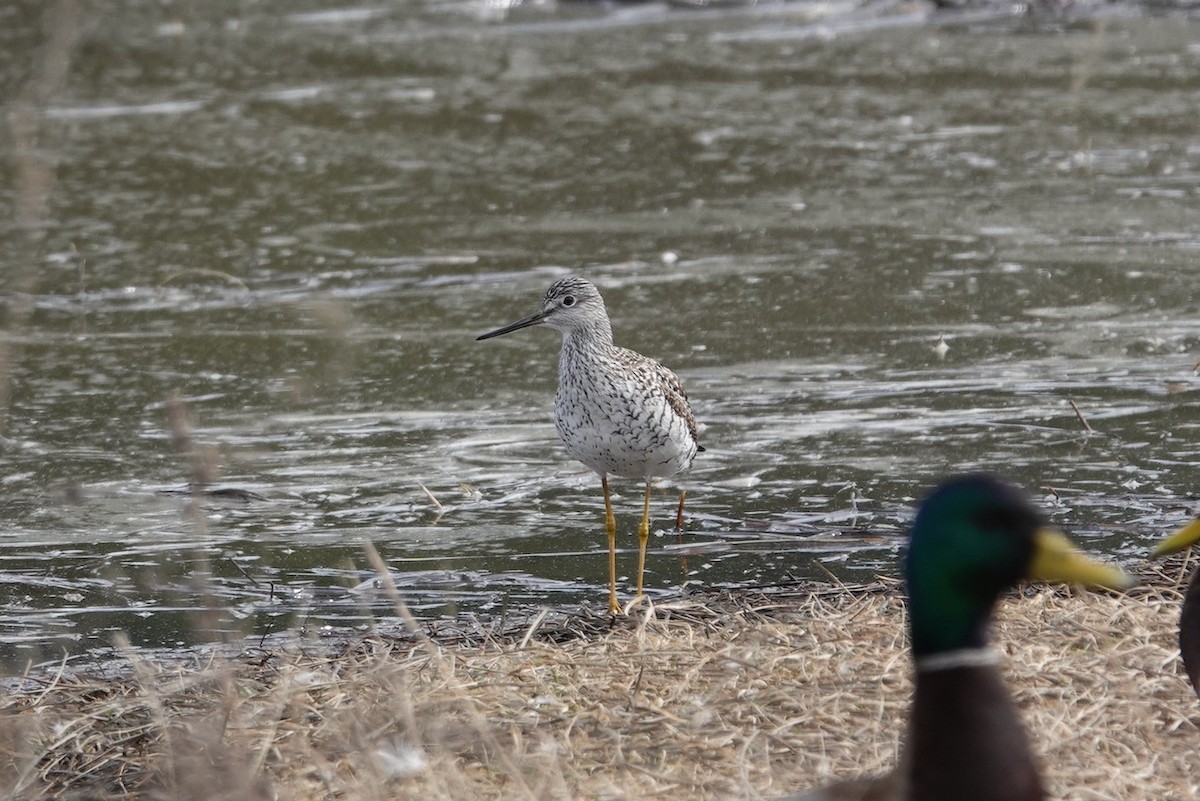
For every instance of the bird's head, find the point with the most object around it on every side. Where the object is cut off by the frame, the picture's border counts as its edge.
(570, 304)
(974, 537)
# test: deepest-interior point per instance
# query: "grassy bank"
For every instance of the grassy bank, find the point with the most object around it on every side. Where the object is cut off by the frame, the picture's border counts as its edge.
(718, 696)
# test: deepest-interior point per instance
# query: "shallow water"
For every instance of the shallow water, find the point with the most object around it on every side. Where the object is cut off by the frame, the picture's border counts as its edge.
(298, 222)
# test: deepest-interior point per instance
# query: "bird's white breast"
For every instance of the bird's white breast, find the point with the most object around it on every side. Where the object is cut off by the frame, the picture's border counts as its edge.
(612, 413)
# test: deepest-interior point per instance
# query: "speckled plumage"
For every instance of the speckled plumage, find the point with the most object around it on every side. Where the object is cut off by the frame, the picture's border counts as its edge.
(617, 411)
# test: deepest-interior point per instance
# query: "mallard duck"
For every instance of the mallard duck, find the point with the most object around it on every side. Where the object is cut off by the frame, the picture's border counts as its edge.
(973, 538)
(1189, 619)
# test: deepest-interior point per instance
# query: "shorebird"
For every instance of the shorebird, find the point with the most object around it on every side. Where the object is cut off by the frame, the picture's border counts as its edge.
(617, 411)
(973, 538)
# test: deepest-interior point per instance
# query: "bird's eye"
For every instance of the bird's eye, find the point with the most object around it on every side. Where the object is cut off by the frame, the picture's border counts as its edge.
(569, 301)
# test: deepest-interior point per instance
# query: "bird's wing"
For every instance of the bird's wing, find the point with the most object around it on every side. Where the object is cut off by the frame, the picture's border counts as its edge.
(665, 380)
(678, 400)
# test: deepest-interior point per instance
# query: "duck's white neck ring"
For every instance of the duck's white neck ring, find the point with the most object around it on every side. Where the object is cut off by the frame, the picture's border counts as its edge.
(961, 658)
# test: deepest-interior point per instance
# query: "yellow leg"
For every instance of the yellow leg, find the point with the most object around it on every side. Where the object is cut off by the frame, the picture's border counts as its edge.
(610, 525)
(643, 538)
(683, 565)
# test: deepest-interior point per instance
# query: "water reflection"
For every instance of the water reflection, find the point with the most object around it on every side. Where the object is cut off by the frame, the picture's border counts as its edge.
(305, 236)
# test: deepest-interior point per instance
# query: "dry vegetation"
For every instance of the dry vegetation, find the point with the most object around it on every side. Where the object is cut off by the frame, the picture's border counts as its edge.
(729, 696)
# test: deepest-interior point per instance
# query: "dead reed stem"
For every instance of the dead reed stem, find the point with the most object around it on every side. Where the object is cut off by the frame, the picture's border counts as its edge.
(33, 177)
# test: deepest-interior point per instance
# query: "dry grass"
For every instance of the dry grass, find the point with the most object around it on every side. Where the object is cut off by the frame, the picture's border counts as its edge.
(728, 696)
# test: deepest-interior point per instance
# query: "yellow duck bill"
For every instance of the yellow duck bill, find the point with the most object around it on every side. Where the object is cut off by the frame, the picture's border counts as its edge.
(1056, 559)
(1185, 537)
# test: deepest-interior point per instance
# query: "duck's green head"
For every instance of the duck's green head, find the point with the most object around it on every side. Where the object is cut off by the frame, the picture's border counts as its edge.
(973, 538)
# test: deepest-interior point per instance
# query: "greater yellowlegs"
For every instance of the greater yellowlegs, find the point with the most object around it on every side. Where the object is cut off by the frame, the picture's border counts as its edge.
(972, 539)
(617, 411)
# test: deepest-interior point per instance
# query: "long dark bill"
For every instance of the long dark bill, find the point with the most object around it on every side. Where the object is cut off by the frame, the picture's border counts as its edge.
(525, 322)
